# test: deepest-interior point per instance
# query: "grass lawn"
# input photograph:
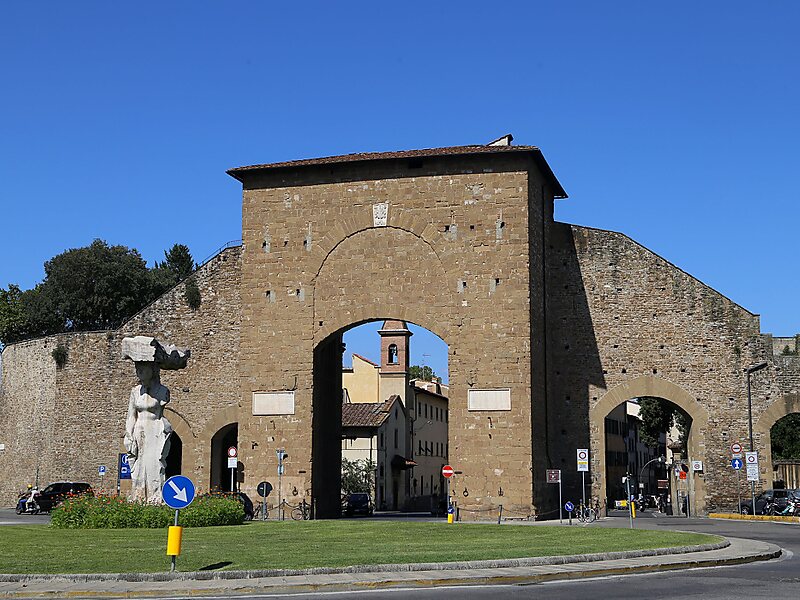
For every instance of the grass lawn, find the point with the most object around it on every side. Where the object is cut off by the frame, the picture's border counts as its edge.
(291, 544)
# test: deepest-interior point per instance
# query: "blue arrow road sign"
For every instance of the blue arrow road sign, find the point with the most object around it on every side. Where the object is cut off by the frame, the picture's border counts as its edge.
(123, 468)
(178, 492)
(736, 463)
(569, 507)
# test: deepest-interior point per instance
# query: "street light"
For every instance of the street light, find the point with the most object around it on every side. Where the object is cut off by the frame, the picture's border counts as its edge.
(749, 371)
(660, 459)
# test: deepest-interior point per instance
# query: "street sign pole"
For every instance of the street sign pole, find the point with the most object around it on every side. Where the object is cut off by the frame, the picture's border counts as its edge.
(739, 489)
(583, 488)
(560, 502)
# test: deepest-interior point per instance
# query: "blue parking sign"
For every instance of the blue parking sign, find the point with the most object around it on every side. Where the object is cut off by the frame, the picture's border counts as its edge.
(123, 468)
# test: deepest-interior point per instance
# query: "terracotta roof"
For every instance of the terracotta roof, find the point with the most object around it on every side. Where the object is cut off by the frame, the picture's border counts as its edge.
(240, 172)
(366, 414)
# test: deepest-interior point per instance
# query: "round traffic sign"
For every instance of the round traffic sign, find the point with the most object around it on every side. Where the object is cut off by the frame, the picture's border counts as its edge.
(736, 463)
(232, 452)
(178, 492)
(582, 455)
(264, 488)
(447, 471)
(569, 507)
(736, 447)
(752, 458)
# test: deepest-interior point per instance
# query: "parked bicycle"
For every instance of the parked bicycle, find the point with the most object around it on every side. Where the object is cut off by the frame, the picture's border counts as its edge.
(261, 511)
(586, 514)
(302, 512)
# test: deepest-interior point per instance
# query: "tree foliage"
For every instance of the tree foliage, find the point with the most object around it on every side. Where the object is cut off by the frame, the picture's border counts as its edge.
(358, 476)
(658, 416)
(95, 287)
(785, 435)
(424, 372)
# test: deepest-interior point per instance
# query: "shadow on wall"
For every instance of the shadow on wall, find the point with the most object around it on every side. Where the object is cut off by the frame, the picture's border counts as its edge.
(572, 366)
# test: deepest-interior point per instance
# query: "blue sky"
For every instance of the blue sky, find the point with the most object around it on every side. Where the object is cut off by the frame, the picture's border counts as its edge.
(676, 123)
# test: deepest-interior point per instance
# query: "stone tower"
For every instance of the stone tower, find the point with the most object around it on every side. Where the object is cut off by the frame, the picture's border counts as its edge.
(393, 379)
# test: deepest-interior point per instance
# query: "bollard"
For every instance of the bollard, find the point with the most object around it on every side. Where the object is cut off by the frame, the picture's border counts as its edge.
(174, 536)
(500, 515)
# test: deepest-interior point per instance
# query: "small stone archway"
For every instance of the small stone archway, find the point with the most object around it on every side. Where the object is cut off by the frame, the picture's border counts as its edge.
(648, 385)
(785, 405)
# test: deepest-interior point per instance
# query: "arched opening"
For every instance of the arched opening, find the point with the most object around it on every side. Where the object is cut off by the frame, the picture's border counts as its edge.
(221, 476)
(644, 438)
(380, 417)
(693, 450)
(785, 447)
(175, 457)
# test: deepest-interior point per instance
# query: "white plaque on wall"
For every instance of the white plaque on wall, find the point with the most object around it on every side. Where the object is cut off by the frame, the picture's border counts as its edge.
(273, 403)
(489, 399)
(380, 214)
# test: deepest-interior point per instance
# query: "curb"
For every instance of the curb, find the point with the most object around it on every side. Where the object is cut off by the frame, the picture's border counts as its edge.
(402, 568)
(738, 517)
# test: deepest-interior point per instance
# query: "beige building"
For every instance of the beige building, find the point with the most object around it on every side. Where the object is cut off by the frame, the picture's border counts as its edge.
(398, 424)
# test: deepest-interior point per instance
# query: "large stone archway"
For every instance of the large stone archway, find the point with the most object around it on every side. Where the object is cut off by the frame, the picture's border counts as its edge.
(785, 405)
(649, 385)
(445, 245)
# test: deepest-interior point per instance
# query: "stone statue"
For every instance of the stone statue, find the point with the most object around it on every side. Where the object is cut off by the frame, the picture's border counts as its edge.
(147, 431)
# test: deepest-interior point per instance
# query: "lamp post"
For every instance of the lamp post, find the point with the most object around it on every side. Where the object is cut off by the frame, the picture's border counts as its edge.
(660, 459)
(750, 371)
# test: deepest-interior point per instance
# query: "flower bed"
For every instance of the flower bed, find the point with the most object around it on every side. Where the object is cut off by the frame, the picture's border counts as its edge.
(111, 512)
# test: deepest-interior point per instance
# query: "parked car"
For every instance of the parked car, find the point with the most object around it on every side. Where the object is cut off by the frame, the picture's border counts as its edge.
(765, 500)
(55, 493)
(358, 504)
(243, 499)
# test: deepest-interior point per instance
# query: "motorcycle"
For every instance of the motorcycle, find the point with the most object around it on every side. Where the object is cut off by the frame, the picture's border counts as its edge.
(24, 507)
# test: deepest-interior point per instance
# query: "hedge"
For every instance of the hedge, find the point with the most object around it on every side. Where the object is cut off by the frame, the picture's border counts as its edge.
(111, 512)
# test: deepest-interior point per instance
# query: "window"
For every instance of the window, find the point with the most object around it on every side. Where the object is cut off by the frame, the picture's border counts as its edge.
(426, 411)
(395, 439)
(392, 359)
(381, 444)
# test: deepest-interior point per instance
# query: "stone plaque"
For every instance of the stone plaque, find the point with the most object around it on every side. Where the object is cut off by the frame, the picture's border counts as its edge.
(499, 399)
(273, 403)
(380, 214)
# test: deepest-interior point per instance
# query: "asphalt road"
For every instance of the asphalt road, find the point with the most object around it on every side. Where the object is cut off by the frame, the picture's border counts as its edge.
(9, 517)
(776, 579)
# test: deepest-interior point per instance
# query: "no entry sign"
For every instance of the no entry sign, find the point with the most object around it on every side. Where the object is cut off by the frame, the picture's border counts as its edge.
(736, 448)
(447, 471)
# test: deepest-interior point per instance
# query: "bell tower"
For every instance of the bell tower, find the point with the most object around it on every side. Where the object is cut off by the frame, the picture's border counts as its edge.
(393, 373)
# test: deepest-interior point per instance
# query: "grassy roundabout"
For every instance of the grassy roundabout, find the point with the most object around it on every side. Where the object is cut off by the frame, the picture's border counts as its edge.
(42, 549)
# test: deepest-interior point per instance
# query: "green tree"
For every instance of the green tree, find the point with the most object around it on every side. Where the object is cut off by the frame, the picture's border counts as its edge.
(785, 435)
(658, 416)
(13, 320)
(177, 266)
(424, 372)
(96, 287)
(358, 476)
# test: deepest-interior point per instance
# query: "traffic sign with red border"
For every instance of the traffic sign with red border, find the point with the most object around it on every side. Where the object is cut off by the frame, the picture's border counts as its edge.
(736, 448)
(232, 453)
(447, 471)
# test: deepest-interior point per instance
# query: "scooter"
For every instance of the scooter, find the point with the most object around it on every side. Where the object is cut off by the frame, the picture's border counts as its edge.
(27, 508)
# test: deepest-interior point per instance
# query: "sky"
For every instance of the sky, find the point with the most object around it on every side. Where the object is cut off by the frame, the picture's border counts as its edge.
(675, 123)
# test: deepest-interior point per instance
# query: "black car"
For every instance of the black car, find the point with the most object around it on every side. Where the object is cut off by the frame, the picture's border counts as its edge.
(358, 504)
(765, 500)
(55, 493)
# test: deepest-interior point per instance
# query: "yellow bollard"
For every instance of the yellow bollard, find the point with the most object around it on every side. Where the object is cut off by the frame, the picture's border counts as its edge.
(633, 509)
(449, 517)
(174, 540)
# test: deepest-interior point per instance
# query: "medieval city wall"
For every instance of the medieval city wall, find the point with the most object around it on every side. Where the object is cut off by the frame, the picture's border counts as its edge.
(624, 323)
(74, 416)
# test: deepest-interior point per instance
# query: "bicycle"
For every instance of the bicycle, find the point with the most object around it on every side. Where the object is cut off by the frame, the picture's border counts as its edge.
(586, 514)
(257, 516)
(302, 512)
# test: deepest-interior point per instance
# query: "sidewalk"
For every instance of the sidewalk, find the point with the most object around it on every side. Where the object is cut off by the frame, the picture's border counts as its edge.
(517, 571)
